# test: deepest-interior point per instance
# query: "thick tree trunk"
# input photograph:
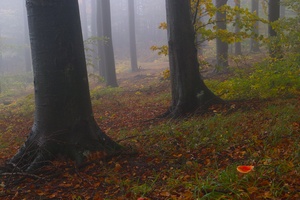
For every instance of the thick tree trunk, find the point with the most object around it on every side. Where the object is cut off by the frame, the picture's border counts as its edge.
(189, 93)
(132, 40)
(254, 45)
(222, 47)
(110, 68)
(63, 119)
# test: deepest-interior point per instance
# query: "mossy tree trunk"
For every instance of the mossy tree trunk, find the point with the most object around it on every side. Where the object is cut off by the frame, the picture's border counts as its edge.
(189, 93)
(63, 119)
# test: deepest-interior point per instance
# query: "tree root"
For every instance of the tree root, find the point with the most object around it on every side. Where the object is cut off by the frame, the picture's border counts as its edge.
(35, 154)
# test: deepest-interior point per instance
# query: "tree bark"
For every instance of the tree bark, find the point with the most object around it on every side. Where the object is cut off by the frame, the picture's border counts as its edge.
(274, 14)
(189, 93)
(254, 45)
(282, 10)
(222, 47)
(101, 43)
(132, 40)
(238, 45)
(63, 119)
(94, 34)
(110, 68)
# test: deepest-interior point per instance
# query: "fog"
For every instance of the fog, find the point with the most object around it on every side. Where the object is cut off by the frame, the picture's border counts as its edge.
(148, 15)
(14, 39)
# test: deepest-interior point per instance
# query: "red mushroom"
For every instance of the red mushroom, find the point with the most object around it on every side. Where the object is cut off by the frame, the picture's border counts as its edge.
(245, 168)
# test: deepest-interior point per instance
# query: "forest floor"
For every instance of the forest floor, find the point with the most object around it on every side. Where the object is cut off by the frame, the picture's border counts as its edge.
(189, 158)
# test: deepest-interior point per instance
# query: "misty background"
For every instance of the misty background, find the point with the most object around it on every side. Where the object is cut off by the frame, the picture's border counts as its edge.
(14, 43)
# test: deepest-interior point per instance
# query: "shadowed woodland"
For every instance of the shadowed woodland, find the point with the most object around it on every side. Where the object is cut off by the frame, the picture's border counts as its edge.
(140, 99)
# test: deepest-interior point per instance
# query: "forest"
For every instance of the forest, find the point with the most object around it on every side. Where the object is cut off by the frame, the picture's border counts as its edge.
(149, 100)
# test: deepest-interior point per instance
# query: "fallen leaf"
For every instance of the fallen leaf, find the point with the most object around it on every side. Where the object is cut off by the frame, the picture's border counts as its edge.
(189, 163)
(165, 194)
(245, 168)
(117, 167)
(252, 190)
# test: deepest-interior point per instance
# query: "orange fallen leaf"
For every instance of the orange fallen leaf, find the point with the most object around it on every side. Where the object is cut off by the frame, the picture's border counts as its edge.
(165, 194)
(245, 168)
(117, 167)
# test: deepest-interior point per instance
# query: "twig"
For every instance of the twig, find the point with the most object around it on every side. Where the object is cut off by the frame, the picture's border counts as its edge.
(82, 178)
(21, 174)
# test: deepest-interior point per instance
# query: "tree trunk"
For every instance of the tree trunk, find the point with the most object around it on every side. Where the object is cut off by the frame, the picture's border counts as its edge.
(282, 10)
(132, 40)
(222, 47)
(238, 45)
(189, 93)
(274, 14)
(110, 68)
(63, 119)
(101, 43)
(94, 34)
(27, 55)
(254, 45)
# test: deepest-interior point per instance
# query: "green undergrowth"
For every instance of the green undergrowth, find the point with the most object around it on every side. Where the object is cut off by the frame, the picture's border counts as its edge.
(269, 79)
(99, 92)
(197, 157)
(14, 86)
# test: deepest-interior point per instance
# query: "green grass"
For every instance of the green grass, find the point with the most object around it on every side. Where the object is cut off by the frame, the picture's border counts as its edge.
(216, 145)
(195, 157)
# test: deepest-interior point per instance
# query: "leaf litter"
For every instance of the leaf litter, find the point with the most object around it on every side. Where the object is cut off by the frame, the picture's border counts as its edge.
(169, 159)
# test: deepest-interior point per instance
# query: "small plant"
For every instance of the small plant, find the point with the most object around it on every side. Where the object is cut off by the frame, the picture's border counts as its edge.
(278, 78)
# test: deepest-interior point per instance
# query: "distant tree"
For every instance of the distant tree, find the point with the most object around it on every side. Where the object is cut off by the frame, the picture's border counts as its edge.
(237, 45)
(282, 10)
(132, 40)
(94, 34)
(222, 47)
(101, 43)
(109, 60)
(27, 55)
(189, 93)
(254, 45)
(63, 120)
(274, 14)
